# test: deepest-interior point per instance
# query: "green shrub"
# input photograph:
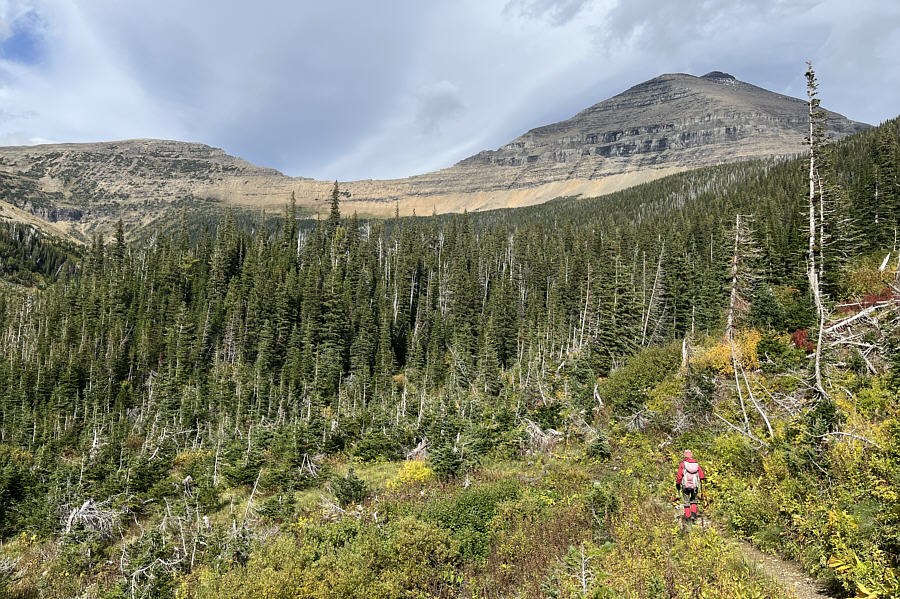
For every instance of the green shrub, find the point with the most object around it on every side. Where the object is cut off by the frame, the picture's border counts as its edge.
(349, 489)
(548, 415)
(698, 392)
(734, 455)
(279, 507)
(781, 308)
(599, 448)
(777, 354)
(242, 472)
(745, 510)
(377, 447)
(602, 501)
(769, 537)
(334, 535)
(422, 551)
(468, 514)
(626, 389)
(445, 460)
(876, 400)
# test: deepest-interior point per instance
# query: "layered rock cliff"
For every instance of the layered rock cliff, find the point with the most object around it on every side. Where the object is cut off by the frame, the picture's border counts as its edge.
(668, 124)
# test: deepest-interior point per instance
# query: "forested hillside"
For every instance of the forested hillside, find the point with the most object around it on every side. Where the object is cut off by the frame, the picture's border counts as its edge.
(165, 411)
(28, 257)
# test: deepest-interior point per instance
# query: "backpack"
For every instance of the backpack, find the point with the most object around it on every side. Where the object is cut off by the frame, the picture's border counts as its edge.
(691, 475)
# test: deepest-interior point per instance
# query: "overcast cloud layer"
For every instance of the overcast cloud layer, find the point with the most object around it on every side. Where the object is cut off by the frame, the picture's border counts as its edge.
(358, 89)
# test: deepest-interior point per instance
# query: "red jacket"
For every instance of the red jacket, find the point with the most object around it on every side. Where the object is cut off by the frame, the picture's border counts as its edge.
(681, 470)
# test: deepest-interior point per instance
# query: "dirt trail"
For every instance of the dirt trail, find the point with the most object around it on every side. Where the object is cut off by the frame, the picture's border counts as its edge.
(789, 574)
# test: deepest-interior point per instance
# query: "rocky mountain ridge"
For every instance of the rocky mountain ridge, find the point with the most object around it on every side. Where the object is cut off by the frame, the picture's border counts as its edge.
(668, 124)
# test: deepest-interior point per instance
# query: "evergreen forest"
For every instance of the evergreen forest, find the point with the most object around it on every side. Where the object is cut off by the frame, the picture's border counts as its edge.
(479, 405)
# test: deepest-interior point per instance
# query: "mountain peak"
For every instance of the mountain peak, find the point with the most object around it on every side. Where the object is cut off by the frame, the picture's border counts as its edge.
(719, 76)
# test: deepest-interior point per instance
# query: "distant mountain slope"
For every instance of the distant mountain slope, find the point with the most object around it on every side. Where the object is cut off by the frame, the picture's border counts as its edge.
(665, 125)
(672, 120)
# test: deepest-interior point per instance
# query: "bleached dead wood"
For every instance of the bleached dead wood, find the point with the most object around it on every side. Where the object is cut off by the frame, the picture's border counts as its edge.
(849, 435)
(756, 405)
(815, 117)
(788, 403)
(8, 571)
(252, 493)
(93, 516)
(308, 466)
(733, 296)
(597, 397)
(896, 285)
(737, 384)
(541, 440)
(861, 314)
(654, 293)
(330, 508)
(747, 434)
(157, 564)
(637, 422)
(419, 452)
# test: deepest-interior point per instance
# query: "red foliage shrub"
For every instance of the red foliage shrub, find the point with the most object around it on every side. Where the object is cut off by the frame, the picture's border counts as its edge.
(800, 339)
(869, 300)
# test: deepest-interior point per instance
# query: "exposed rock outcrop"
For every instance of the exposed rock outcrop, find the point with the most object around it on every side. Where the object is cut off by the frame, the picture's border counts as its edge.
(667, 124)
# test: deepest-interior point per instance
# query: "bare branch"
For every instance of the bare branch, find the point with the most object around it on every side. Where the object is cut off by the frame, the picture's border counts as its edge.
(756, 405)
(747, 434)
(850, 435)
(846, 321)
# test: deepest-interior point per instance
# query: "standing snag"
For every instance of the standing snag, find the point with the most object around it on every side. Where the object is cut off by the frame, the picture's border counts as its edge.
(816, 141)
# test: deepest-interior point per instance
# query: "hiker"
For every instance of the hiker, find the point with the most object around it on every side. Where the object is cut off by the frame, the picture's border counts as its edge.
(688, 482)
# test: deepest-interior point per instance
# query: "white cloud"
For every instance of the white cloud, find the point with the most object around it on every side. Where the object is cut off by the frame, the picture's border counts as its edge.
(558, 12)
(20, 138)
(351, 89)
(438, 102)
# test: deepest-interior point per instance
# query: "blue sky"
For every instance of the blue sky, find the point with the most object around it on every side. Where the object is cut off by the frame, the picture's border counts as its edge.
(22, 40)
(359, 89)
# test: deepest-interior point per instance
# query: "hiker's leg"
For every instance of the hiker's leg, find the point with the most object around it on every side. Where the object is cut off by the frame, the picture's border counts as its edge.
(686, 502)
(691, 505)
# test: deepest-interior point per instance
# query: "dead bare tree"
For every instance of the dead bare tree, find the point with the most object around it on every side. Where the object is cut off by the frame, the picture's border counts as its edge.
(419, 452)
(742, 276)
(100, 517)
(896, 284)
(539, 439)
(252, 493)
(756, 405)
(9, 571)
(760, 443)
(308, 466)
(585, 574)
(849, 436)
(816, 142)
(655, 293)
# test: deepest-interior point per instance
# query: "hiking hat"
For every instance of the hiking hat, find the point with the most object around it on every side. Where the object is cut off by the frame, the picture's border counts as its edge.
(688, 453)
